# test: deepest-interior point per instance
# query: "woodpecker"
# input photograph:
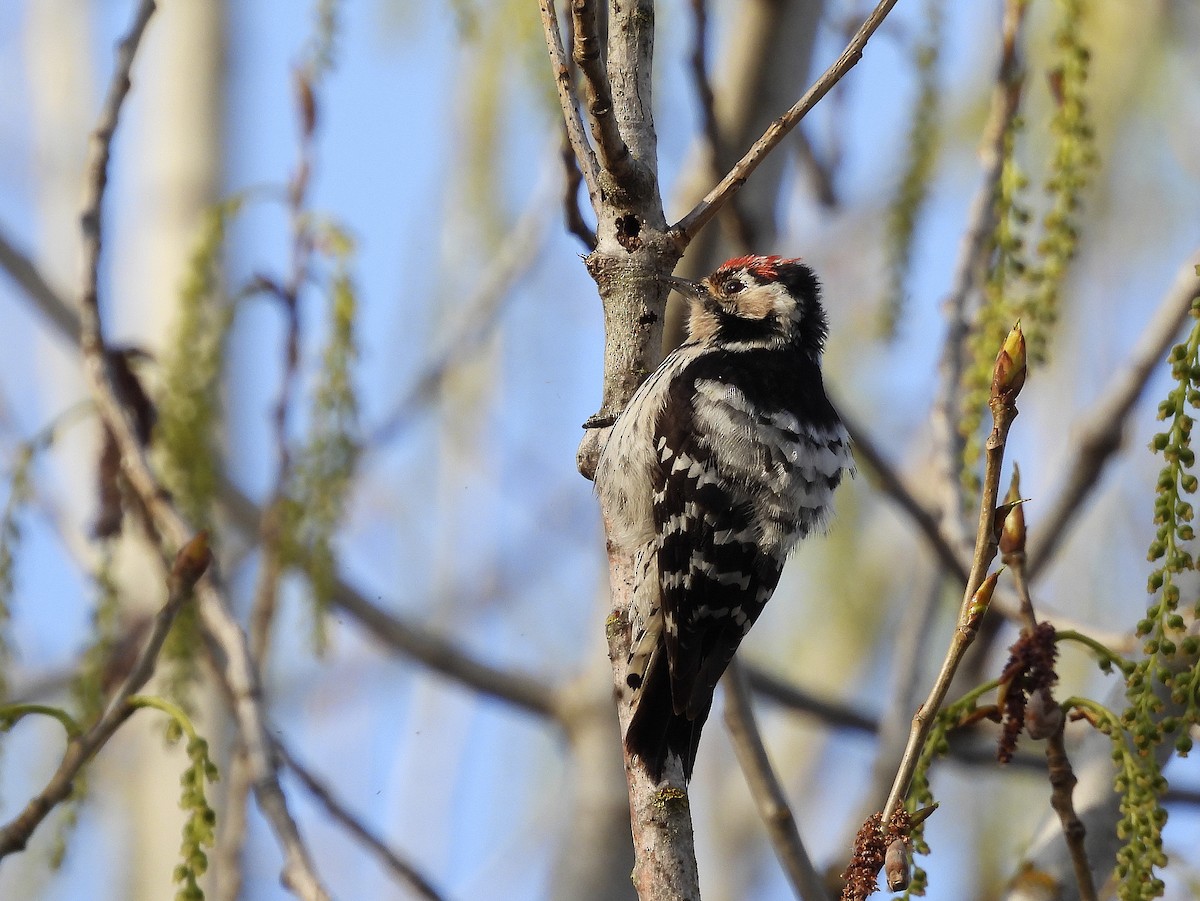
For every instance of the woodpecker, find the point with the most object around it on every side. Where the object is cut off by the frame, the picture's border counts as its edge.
(725, 457)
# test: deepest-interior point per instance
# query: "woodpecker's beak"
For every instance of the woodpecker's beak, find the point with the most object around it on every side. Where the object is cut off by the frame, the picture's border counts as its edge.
(690, 290)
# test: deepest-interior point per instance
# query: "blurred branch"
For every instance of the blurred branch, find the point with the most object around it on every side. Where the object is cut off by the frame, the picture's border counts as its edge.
(433, 651)
(22, 270)
(81, 748)
(1098, 435)
(396, 865)
(703, 212)
(238, 670)
(765, 788)
(743, 234)
(972, 260)
(478, 319)
(819, 171)
(792, 697)
(576, 135)
(893, 484)
(427, 648)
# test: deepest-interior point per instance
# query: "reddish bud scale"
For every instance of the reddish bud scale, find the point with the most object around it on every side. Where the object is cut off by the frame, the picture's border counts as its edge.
(192, 560)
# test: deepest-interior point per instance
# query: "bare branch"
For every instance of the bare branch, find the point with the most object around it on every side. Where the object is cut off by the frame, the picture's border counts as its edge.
(219, 624)
(892, 484)
(23, 271)
(427, 648)
(971, 261)
(566, 99)
(1098, 435)
(765, 788)
(479, 315)
(80, 749)
(1007, 379)
(689, 225)
(404, 871)
(598, 102)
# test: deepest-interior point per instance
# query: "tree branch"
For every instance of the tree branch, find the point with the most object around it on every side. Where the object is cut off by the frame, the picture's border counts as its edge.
(404, 871)
(764, 786)
(613, 154)
(1098, 435)
(1007, 380)
(218, 622)
(972, 259)
(687, 227)
(82, 748)
(566, 99)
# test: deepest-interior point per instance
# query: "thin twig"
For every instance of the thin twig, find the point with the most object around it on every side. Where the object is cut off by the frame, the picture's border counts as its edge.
(703, 212)
(972, 259)
(16, 833)
(764, 786)
(1006, 383)
(1058, 765)
(1062, 784)
(893, 484)
(576, 134)
(792, 697)
(572, 213)
(396, 865)
(215, 616)
(479, 316)
(1098, 435)
(21, 270)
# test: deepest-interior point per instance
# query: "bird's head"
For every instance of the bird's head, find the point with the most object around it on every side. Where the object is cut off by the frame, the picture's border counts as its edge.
(757, 300)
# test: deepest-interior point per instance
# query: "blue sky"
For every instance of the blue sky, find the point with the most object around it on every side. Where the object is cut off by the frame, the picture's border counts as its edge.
(444, 518)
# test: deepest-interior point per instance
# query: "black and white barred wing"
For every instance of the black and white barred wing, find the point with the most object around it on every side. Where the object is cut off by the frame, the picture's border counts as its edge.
(713, 577)
(737, 484)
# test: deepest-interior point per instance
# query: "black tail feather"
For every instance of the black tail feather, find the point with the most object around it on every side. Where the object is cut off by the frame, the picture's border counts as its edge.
(656, 731)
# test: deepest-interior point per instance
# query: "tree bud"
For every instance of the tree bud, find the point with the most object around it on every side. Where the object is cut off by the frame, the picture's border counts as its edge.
(1009, 373)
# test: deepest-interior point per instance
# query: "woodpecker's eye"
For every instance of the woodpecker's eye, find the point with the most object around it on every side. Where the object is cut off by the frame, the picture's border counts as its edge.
(733, 286)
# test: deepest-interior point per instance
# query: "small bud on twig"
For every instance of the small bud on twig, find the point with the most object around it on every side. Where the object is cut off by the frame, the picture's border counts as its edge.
(1012, 518)
(191, 562)
(306, 103)
(920, 816)
(1009, 374)
(981, 599)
